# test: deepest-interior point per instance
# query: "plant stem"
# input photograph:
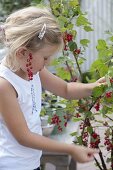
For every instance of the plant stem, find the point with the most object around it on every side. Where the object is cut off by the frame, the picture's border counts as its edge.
(98, 164)
(94, 103)
(109, 118)
(88, 122)
(87, 119)
(102, 160)
(70, 71)
(78, 66)
(100, 153)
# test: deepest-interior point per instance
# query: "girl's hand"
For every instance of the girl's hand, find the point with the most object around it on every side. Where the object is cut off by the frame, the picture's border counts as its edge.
(83, 154)
(101, 81)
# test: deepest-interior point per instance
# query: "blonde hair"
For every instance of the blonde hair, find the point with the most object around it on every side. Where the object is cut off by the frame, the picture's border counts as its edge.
(23, 27)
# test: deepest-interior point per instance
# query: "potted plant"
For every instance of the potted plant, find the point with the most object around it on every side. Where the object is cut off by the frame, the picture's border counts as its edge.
(53, 112)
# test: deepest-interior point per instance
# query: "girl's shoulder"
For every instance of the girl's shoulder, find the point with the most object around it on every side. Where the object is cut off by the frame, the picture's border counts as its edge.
(4, 83)
(6, 88)
(7, 94)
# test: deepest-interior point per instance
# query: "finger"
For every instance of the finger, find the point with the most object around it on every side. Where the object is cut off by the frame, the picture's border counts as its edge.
(103, 83)
(93, 151)
(91, 158)
(88, 158)
(102, 79)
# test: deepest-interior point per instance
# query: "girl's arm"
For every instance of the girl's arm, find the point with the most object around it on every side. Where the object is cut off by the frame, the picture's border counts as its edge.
(15, 121)
(73, 90)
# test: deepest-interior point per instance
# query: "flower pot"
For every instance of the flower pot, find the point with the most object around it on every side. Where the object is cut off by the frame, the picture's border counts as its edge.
(47, 130)
(44, 120)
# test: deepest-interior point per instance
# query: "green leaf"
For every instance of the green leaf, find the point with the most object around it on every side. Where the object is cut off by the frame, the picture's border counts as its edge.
(88, 114)
(55, 62)
(76, 119)
(79, 139)
(73, 134)
(64, 74)
(90, 129)
(62, 18)
(70, 26)
(111, 38)
(88, 28)
(85, 42)
(99, 67)
(105, 53)
(73, 3)
(110, 72)
(81, 20)
(72, 45)
(98, 91)
(81, 61)
(101, 44)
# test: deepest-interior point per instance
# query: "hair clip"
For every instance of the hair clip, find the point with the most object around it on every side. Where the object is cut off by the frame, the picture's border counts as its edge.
(42, 32)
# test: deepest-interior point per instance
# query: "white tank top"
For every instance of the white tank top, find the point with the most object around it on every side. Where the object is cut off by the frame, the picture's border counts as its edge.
(14, 156)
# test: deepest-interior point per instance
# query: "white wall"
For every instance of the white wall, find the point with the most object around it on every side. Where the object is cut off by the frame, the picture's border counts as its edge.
(100, 14)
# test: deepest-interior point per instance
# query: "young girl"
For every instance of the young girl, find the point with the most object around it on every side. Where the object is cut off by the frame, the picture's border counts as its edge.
(32, 36)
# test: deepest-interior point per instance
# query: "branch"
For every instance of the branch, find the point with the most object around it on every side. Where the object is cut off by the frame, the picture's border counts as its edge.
(70, 71)
(94, 102)
(109, 118)
(102, 160)
(79, 69)
(98, 164)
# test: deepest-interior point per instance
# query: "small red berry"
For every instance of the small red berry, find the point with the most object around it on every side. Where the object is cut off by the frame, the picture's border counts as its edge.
(68, 37)
(97, 106)
(111, 80)
(77, 51)
(108, 94)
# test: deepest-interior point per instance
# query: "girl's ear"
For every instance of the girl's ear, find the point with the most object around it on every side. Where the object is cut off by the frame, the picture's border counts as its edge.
(22, 52)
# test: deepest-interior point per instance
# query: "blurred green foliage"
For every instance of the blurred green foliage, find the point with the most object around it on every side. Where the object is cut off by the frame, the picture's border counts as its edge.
(8, 6)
